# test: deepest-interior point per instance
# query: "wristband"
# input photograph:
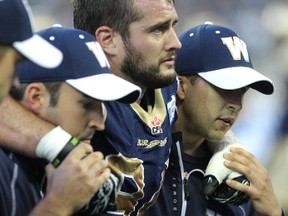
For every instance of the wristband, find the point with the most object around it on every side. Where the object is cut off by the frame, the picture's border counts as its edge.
(65, 151)
(52, 143)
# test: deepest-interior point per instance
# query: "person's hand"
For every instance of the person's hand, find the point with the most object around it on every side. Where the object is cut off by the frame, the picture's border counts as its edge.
(74, 182)
(260, 189)
(214, 186)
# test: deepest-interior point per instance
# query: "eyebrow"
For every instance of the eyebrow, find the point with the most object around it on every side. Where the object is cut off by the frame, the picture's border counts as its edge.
(161, 24)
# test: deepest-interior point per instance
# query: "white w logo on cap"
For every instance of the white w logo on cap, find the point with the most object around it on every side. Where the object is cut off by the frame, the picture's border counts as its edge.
(236, 46)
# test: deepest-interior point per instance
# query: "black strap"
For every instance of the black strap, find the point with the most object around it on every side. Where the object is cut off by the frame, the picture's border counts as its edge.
(71, 144)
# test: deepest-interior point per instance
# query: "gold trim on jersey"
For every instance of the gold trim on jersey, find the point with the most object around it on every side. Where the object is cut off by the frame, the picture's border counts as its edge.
(159, 110)
(132, 168)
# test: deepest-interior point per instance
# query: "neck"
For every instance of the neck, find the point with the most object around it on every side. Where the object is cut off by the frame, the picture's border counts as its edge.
(128, 78)
(193, 144)
(147, 100)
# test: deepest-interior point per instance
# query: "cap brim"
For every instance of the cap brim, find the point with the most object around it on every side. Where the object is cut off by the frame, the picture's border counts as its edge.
(39, 51)
(107, 87)
(239, 77)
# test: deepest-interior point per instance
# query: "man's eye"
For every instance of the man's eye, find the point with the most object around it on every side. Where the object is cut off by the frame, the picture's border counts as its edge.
(160, 29)
(89, 105)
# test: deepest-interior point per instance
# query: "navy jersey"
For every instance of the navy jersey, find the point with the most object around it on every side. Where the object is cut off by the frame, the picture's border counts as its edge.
(137, 145)
(181, 192)
(19, 188)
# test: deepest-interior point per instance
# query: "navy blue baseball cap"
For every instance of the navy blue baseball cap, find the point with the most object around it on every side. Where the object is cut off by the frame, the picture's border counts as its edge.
(219, 56)
(84, 67)
(16, 30)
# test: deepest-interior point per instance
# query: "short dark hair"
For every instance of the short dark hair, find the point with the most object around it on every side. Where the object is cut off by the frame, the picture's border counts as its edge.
(52, 87)
(89, 15)
(193, 78)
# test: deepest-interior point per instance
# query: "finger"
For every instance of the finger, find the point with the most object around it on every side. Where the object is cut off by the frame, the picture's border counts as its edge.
(94, 158)
(103, 175)
(242, 156)
(99, 179)
(250, 190)
(238, 186)
(239, 156)
(79, 152)
(244, 163)
(248, 171)
(250, 158)
(96, 168)
(49, 169)
(258, 178)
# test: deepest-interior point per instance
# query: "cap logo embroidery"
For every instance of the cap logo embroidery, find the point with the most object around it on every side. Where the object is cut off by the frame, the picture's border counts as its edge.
(236, 46)
(95, 48)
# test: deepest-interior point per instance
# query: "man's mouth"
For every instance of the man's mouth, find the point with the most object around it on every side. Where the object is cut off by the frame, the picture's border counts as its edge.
(228, 121)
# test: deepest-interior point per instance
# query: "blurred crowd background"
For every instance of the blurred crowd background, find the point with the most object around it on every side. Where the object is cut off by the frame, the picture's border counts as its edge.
(263, 25)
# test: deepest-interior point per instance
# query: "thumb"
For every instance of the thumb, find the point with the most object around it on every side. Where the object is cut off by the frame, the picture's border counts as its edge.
(49, 169)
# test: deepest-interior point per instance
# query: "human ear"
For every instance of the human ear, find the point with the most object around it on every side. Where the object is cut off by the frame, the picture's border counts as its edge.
(36, 98)
(181, 87)
(105, 36)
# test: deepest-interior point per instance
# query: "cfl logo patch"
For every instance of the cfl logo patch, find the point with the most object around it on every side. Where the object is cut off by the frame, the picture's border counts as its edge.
(156, 128)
